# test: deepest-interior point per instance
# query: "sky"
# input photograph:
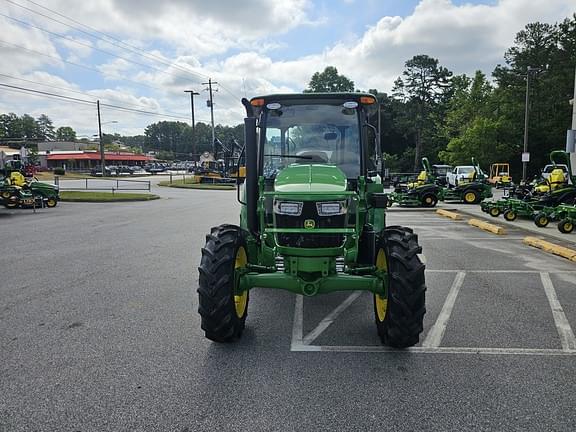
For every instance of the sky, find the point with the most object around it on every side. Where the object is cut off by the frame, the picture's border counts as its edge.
(143, 54)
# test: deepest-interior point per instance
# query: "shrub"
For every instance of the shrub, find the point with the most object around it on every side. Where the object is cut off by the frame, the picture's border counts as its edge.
(59, 171)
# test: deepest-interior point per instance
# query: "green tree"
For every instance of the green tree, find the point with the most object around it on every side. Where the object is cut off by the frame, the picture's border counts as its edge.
(45, 128)
(551, 49)
(30, 129)
(65, 133)
(329, 81)
(425, 88)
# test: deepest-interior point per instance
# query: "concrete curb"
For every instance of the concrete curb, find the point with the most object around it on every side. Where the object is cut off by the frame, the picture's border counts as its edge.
(449, 214)
(495, 229)
(552, 248)
(530, 231)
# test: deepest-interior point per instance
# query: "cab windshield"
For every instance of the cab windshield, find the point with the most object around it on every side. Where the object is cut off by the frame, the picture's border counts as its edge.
(311, 134)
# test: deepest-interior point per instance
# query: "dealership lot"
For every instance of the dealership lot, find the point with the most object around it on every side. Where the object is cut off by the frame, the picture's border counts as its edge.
(99, 331)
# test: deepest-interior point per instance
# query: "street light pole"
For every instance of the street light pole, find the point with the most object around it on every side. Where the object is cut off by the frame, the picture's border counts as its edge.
(102, 159)
(192, 94)
(529, 71)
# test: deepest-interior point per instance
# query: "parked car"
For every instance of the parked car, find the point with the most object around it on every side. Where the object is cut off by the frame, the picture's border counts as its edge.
(458, 173)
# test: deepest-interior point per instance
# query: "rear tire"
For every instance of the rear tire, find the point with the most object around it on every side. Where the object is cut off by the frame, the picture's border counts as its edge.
(471, 197)
(510, 215)
(400, 322)
(541, 220)
(565, 226)
(429, 200)
(223, 310)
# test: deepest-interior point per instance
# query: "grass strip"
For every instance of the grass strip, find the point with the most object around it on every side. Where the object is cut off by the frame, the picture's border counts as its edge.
(75, 196)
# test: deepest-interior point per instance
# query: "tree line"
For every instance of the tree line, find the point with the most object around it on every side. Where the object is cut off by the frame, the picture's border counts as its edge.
(16, 129)
(451, 118)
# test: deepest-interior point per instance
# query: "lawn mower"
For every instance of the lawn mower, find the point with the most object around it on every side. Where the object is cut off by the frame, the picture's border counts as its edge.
(472, 190)
(312, 219)
(559, 189)
(564, 214)
(423, 192)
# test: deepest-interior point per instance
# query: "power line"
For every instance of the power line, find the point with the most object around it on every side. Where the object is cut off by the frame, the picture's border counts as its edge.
(88, 102)
(58, 35)
(77, 92)
(120, 43)
(3, 42)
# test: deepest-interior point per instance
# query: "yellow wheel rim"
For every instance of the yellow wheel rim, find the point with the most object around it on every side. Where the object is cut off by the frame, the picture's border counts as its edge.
(494, 212)
(543, 220)
(568, 226)
(428, 200)
(240, 301)
(469, 197)
(380, 301)
(51, 202)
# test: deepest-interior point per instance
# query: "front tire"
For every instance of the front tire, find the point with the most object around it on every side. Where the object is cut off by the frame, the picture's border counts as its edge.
(51, 202)
(223, 309)
(399, 316)
(510, 215)
(541, 220)
(565, 226)
(494, 212)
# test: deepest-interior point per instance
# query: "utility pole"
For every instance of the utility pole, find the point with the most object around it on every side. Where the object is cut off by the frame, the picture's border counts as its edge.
(529, 71)
(573, 154)
(102, 160)
(192, 94)
(211, 106)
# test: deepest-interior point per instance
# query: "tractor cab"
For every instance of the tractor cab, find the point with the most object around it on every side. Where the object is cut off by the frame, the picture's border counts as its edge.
(312, 218)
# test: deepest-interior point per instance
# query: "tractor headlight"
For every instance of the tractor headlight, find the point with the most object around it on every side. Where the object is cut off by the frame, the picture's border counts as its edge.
(288, 208)
(332, 208)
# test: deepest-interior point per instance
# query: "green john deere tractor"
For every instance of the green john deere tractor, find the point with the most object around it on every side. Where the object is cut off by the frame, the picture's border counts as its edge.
(422, 192)
(312, 219)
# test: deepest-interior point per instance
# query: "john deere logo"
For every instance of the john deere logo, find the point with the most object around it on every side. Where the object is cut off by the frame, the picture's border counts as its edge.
(309, 224)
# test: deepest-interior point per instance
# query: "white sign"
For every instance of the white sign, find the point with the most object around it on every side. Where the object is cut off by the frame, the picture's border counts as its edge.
(526, 157)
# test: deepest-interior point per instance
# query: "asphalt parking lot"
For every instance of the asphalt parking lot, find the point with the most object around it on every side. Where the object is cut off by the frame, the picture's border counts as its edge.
(99, 331)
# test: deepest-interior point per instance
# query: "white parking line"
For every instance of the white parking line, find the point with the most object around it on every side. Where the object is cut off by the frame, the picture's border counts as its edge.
(431, 344)
(436, 333)
(562, 325)
(439, 350)
(330, 318)
(298, 322)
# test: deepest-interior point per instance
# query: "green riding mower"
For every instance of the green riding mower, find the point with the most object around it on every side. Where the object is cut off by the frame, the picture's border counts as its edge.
(423, 192)
(14, 196)
(472, 190)
(564, 214)
(312, 219)
(44, 194)
(560, 190)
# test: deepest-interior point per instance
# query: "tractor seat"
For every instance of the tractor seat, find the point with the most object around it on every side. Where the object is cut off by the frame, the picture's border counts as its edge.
(557, 179)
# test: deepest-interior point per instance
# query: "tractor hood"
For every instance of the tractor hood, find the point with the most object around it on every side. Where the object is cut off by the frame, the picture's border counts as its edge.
(310, 178)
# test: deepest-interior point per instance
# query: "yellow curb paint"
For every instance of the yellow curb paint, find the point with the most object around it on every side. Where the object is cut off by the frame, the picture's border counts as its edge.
(551, 248)
(449, 214)
(495, 229)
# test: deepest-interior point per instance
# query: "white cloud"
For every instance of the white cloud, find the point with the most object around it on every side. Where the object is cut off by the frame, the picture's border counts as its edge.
(201, 34)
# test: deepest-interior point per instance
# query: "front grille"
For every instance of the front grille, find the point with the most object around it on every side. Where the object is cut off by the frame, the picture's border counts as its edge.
(311, 240)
